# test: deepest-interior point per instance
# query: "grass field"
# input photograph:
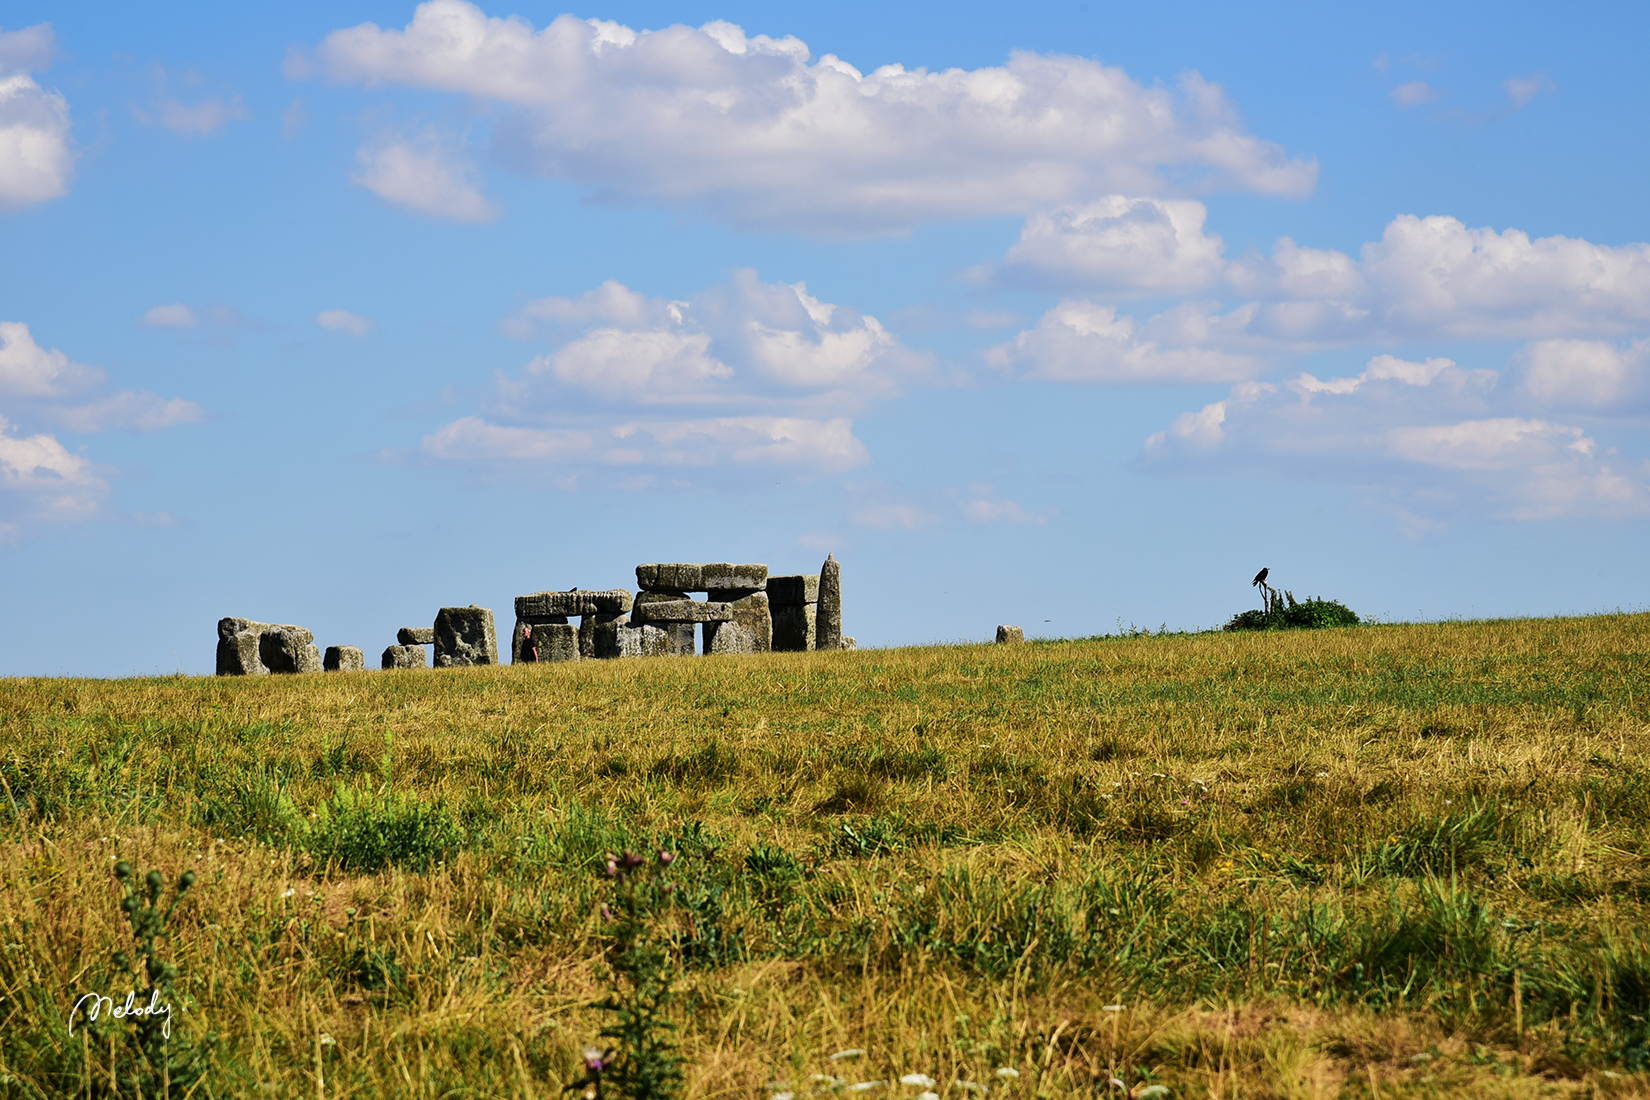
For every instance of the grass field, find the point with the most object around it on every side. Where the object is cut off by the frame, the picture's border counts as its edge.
(1381, 861)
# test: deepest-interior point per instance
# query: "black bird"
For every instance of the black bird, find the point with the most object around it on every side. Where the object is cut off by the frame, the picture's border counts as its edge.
(1260, 578)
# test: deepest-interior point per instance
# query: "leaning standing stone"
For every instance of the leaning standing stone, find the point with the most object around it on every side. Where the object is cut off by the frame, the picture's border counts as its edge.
(829, 615)
(345, 658)
(464, 636)
(1010, 635)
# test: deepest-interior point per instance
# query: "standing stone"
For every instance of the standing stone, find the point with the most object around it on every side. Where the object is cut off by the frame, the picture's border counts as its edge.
(464, 636)
(794, 627)
(238, 647)
(288, 649)
(1010, 635)
(679, 639)
(829, 629)
(415, 635)
(405, 656)
(518, 636)
(793, 588)
(590, 624)
(344, 658)
(621, 639)
(557, 641)
(749, 631)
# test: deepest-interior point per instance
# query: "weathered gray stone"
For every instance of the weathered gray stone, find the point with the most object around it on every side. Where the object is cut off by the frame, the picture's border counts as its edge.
(288, 649)
(416, 635)
(1010, 635)
(670, 577)
(464, 636)
(405, 656)
(722, 578)
(848, 643)
(549, 605)
(683, 611)
(624, 639)
(344, 658)
(755, 627)
(793, 626)
(557, 642)
(238, 647)
(518, 638)
(828, 631)
(793, 588)
(587, 631)
(679, 639)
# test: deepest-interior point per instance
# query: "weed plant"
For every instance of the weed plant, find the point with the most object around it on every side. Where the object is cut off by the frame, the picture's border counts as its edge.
(1391, 861)
(1284, 613)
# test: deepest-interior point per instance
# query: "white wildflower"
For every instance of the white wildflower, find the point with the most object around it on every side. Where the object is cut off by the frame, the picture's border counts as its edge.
(922, 1079)
(851, 1052)
(327, 1040)
(1007, 1073)
(866, 1086)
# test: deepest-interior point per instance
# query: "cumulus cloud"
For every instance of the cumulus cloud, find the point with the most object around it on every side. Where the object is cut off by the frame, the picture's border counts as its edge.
(1423, 437)
(426, 176)
(1133, 246)
(29, 370)
(1084, 342)
(36, 151)
(743, 343)
(175, 315)
(342, 320)
(986, 506)
(757, 131)
(40, 479)
(1425, 279)
(771, 372)
(1588, 374)
(1525, 88)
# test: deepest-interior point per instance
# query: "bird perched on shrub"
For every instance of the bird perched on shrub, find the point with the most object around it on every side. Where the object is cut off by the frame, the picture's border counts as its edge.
(1260, 578)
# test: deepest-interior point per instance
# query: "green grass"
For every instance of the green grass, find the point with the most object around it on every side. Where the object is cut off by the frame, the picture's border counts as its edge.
(1393, 860)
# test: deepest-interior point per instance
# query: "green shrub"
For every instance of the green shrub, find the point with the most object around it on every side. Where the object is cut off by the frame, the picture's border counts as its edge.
(1287, 614)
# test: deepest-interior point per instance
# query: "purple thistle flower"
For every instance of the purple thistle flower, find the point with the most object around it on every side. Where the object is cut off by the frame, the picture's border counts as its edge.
(612, 869)
(607, 914)
(666, 858)
(593, 1060)
(631, 859)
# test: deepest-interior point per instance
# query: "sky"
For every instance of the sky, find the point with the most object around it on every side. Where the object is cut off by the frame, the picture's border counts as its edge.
(1069, 315)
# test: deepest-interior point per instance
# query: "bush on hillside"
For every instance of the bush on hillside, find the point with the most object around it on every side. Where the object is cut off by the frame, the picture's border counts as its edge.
(1286, 614)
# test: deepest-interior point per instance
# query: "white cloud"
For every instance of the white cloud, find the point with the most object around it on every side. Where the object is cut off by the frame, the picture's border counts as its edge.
(893, 517)
(1425, 279)
(820, 446)
(1428, 438)
(175, 315)
(1414, 94)
(132, 409)
(1588, 374)
(758, 132)
(425, 176)
(29, 370)
(36, 160)
(1129, 245)
(1083, 342)
(342, 320)
(745, 342)
(40, 479)
(30, 50)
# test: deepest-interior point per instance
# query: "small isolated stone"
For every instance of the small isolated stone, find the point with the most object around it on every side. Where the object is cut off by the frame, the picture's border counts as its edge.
(405, 656)
(344, 658)
(1010, 635)
(415, 635)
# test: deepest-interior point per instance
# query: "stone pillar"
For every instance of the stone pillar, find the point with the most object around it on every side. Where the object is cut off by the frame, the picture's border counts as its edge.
(464, 636)
(828, 628)
(343, 658)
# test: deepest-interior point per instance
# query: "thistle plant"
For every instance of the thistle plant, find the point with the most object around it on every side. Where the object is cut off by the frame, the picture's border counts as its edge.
(643, 1063)
(144, 1059)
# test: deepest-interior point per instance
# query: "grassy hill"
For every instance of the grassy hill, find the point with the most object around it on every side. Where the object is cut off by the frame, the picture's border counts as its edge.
(1381, 861)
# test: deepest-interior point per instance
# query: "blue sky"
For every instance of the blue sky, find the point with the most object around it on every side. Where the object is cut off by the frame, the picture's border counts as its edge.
(1058, 315)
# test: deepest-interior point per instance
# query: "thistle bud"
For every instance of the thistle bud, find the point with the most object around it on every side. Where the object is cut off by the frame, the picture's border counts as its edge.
(185, 881)
(123, 870)
(666, 858)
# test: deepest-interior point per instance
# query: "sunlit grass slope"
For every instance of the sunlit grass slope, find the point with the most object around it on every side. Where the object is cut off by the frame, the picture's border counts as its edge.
(1393, 861)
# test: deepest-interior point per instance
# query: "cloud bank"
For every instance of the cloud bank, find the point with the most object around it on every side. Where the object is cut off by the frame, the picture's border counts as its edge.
(756, 131)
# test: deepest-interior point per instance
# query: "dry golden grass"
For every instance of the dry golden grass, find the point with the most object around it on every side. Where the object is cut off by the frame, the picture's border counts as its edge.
(957, 859)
